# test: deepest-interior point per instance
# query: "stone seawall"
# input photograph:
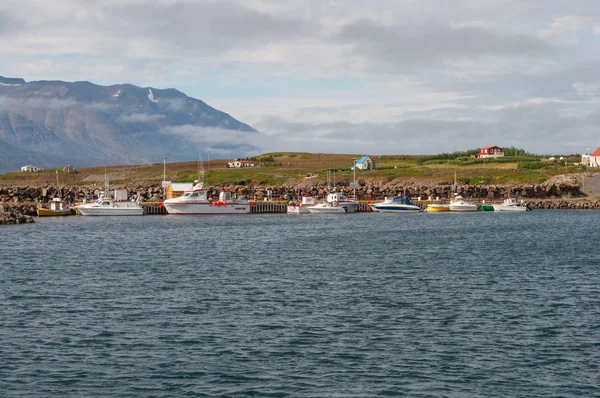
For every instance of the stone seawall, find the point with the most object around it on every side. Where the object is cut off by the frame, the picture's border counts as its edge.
(11, 215)
(549, 195)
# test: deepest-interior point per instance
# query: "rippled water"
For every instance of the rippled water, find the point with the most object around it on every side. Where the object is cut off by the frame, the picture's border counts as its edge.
(421, 305)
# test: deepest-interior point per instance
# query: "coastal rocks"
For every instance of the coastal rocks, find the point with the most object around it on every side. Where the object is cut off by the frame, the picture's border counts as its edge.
(10, 215)
(566, 204)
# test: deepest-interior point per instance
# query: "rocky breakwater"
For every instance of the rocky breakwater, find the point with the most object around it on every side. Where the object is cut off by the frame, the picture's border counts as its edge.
(377, 189)
(10, 215)
(566, 204)
(27, 199)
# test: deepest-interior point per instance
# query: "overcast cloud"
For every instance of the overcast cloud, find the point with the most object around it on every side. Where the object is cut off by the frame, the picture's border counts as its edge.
(376, 77)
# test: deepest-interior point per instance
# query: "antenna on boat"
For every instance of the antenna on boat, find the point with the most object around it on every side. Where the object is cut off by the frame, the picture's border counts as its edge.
(200, 169)
(106, 186)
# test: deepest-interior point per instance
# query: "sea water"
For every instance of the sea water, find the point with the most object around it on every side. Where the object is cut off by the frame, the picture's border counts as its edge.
(354, 305)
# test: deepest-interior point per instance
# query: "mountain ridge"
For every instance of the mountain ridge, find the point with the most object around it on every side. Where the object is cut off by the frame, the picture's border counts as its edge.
(85, 124)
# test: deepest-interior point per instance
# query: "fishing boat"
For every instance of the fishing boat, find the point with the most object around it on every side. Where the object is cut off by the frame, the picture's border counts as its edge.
(437, 208)
(510, 204)
(461, 205)
(196, 201)
(106, 206)
(327, 208)
(337, 199)
(302, 206)
(396, 204)
(55, 209)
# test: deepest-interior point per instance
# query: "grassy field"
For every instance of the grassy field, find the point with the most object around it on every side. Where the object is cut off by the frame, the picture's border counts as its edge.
(293, 167)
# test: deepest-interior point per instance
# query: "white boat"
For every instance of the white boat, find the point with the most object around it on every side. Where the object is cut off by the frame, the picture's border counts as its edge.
(459, 204)
(511, 205)
(396, 204)
(338, 199)
(327, 208)
(105, 206)
(195, 201)
(302, 207)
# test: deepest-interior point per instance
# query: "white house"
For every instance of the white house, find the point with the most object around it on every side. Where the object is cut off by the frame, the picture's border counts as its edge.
(594, 158)
(364, 163)
(239, 163)
(31, 169)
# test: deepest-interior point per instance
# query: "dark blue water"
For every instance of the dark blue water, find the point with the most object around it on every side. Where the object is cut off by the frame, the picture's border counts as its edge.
(361, 305)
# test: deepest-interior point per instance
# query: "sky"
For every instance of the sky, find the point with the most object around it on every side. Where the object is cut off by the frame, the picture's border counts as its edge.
(377, 77)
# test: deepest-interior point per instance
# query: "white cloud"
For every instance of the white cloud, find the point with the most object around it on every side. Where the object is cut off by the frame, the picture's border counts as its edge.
(140, 118)
(307, 72)
(565, 24)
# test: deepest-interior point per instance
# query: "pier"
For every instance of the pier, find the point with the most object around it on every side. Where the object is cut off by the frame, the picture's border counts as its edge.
(154, 208)
(268, 207)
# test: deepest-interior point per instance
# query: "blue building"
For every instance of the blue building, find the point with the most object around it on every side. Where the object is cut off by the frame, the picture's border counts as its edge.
(364, 163)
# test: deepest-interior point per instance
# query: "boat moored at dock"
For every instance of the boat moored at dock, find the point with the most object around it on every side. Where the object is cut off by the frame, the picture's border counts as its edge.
(327, 208)
(396, 204)
(302, 206)
(337, 199)
(55, 209)
(196, 201)
(105, 206)
(512, 205)
(461, 205)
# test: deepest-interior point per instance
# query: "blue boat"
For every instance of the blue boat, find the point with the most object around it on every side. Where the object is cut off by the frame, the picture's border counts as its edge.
(397, 204)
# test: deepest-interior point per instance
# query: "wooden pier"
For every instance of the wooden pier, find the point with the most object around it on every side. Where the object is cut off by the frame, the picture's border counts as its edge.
(268, 207)
(154, 208)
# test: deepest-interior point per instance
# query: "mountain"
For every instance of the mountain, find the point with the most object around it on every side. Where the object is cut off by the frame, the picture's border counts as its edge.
(50, 123)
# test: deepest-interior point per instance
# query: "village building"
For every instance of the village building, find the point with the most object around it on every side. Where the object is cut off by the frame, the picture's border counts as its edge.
(239, 163)
(593, 159)
(31, 168)
(364, 163)
(176, 189)
(490, 152)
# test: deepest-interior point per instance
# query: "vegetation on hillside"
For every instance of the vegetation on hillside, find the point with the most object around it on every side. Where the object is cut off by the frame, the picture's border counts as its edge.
(296, 167)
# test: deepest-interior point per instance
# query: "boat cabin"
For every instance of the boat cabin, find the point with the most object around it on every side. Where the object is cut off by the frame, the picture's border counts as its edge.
(307, 200)
(197, 194)
(401, 200)
(56, 204)
(225, 196)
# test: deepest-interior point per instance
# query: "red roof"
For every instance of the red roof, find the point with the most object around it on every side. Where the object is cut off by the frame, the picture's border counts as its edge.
(491, 146)
(596, 152)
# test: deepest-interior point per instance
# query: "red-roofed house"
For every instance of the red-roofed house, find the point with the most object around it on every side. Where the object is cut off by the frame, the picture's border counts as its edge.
(595, 158)
(490, 152)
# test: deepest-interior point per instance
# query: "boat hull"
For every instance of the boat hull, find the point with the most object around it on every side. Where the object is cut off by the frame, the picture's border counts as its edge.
(395, 209)
(487, 208)
(512, 208)
(463, 208)
(298, 209)
(52, 213)
(116, 211)
(437, 208)
(327, 209)
(207, 208)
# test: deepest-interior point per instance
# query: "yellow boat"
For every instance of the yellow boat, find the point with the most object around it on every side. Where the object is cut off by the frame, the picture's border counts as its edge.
(435, 208)
(56, 209)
